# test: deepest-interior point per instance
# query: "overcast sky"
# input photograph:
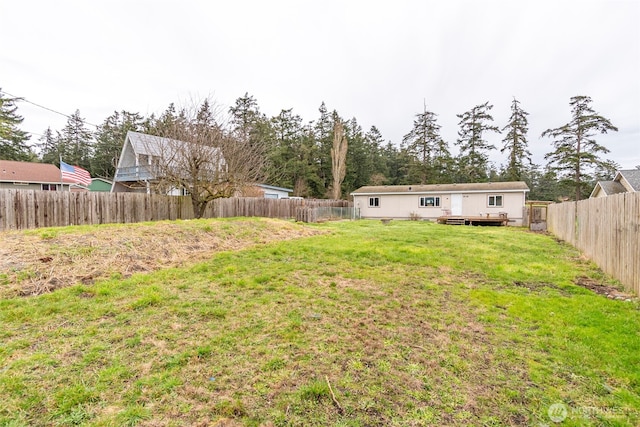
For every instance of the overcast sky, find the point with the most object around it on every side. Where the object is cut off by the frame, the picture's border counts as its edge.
(378, 61)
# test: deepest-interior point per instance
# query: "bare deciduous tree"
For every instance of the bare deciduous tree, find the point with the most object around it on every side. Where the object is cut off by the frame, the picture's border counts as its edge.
(205, 159)
(338, 159)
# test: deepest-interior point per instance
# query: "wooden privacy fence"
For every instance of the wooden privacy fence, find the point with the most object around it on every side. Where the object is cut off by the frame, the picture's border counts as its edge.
(605, 229)
(20, 209)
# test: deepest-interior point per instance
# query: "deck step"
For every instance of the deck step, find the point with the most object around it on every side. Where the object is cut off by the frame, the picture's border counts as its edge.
(455, 221)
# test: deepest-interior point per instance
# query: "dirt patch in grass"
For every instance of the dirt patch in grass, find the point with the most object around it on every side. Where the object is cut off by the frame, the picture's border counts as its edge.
(608, 291)
(34, 262)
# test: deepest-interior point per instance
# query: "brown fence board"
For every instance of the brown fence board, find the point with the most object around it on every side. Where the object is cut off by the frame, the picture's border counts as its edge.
(605, 229)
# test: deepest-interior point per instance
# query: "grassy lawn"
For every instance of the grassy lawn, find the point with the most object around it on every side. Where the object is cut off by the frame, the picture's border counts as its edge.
(407, 324)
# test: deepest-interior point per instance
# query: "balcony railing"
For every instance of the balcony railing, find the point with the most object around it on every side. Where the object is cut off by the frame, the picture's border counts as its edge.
(136, 173)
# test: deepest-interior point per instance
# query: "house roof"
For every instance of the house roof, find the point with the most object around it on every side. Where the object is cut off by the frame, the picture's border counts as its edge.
(632, 176)
(158, 146)
(514, 186)
(12, 171)
(147, 144)
(106, 181)
(609, 187)
(273, 187)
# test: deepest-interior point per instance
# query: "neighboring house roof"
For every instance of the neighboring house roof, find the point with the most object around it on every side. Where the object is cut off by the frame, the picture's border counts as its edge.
(147, 144)
(12, 171)
(273, 187)
(156, 146)
(632, 176)
(608, 188)
(625, 181)
(106, 181)
(152, 145)
(514, 186)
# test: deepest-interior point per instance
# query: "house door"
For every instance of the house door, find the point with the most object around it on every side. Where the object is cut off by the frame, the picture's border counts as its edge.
(456, 204)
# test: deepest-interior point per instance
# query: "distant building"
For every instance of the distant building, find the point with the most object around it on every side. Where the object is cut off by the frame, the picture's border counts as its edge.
(32, 176)
(625, 181)
(100, 184)
(273, 192)
(139, 167)
(489, 199)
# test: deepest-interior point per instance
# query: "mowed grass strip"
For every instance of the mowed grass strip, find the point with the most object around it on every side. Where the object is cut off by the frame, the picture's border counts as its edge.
(411, 323)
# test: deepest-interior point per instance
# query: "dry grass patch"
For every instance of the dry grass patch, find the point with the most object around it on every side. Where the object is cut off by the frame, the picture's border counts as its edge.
(39, 261)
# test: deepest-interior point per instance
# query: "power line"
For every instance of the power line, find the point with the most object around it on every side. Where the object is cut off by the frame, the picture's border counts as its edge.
(43, 107)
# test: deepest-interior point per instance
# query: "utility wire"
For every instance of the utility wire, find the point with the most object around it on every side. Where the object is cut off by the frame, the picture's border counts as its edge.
(43, 107)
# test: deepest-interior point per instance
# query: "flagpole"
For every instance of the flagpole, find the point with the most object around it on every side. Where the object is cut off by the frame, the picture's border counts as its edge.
(61, 182)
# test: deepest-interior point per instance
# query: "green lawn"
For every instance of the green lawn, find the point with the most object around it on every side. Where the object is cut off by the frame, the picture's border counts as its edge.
(407, 324)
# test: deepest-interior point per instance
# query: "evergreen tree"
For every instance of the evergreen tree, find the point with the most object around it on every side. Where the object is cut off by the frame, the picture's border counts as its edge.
(49, 149)
(13, 141)
(75, 142)
(205, 117)
(246, 117)
(148, 125)
(249, 124)
(109, 138)
(577, 154)
(398, 161)
(168, 120)
(393, 164)
(291, 154)
(427, 147)
(544, 185)
(323, 130)
(473, 162)
(374, 147)
(515, 144)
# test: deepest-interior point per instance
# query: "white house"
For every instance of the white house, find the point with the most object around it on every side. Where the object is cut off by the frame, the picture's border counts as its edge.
(429, 202)
(625, 181)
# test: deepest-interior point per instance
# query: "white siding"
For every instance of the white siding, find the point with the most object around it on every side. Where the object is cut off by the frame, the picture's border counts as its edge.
(402, 206)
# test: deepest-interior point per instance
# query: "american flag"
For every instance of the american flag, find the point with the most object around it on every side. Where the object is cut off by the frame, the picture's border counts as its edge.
(75, 174)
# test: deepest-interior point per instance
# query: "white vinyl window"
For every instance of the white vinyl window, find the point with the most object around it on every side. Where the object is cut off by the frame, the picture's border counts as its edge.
(495, 201)
(374, 202)
(430, 202)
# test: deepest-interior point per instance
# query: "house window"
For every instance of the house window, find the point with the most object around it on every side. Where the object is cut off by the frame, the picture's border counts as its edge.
(495, 201)
(143, 159)
(49, 187)
(430, 202)
(374, 202)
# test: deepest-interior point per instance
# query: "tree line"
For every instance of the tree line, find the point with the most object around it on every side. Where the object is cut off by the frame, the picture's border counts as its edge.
(303, 155)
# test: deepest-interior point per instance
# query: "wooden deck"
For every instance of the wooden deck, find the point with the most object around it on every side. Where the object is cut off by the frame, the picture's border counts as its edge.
(474, 220)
